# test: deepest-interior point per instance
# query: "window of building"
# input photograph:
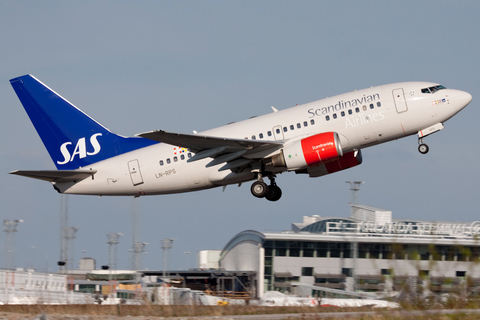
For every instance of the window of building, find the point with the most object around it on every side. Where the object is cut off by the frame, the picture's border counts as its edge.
(161, 162)
(386, 272)
(307, 271)
(335, 250)
(423, 273)
(308, 249)
(322, 249)
(347, 272)
(461, 274)
(294, 247)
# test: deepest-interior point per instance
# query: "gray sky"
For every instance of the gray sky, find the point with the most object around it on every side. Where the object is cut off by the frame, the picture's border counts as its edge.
(195, 65)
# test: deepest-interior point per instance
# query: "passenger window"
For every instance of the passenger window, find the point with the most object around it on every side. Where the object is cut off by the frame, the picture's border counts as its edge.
(175, 159)
(357, 110)
(168, 161)
(292, 127)
(350, 111)
(312, 122)
(305, 123)
(364, 108)
(277, 130)
(379, 104)
(285, 129)
(161, 162)
(269, 133)
(260, 135)
(182, 157)
(254, 138)
(327, 118)
(334, 116)
(371, 105)
(343, 113)
(189, 155)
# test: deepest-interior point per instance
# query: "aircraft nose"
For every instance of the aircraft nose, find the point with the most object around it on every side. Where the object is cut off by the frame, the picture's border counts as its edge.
(462, 99)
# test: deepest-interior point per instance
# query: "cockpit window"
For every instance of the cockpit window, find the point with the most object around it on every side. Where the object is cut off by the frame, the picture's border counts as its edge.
(433, 89)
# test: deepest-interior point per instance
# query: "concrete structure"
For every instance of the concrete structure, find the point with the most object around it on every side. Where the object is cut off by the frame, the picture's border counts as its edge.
(368, 252)
(208, 259)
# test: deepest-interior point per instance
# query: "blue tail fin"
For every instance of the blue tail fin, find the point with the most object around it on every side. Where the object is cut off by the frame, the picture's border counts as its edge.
(72, 138)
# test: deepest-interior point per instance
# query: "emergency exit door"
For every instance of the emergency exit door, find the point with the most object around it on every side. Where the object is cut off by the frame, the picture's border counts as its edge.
(400, 102)
(135, 173)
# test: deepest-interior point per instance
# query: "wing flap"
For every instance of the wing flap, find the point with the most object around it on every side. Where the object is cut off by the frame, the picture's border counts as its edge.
(56, 175)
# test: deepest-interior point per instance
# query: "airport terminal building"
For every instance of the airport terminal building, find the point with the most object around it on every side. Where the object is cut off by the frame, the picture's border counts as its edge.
(368, 252)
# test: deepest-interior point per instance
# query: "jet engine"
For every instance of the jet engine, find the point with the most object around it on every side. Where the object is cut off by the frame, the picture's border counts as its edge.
(320, 148)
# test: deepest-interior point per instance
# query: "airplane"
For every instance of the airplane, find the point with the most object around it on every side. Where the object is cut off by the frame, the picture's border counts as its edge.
(316, 139)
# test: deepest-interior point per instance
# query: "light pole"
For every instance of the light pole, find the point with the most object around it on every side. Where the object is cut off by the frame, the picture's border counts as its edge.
(166, 245)
(10, 226)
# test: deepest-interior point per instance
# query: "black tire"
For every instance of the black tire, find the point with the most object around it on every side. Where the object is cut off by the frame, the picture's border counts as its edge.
(423, 148)
(259, 189)
(274, 193)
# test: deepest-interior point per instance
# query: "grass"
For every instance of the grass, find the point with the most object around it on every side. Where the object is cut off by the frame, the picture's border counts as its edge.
(101, 311)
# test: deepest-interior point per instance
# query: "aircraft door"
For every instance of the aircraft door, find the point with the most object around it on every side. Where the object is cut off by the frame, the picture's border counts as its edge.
(400, 102)
(135, 173)
(278, 133)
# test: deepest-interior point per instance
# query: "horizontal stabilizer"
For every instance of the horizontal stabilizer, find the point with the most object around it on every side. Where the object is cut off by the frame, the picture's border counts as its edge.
(56, 175)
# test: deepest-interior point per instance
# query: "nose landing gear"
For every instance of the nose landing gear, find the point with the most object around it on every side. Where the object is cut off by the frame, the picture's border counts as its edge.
(422, 147)
(260, 189)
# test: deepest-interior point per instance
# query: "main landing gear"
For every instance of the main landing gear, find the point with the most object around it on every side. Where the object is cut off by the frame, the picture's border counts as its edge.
(422, 147)
(260, 189)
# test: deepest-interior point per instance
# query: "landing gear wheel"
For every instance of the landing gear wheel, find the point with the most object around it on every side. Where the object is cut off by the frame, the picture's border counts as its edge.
(259, 189)
(274, 193)
(423, 148)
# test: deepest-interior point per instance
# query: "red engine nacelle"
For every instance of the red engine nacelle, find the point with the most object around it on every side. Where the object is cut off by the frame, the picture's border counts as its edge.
(349, 160)
(320, 148)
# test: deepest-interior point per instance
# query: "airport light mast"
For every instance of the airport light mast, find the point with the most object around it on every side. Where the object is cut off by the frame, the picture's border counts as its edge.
(112, 256)
(354, 187)
(10, 226)
(166, 245)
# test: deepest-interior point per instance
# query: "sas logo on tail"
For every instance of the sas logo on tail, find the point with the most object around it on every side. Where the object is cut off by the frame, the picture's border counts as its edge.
(80, 149)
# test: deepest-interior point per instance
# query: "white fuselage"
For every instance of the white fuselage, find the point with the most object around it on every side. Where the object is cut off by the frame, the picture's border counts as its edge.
(384, 113)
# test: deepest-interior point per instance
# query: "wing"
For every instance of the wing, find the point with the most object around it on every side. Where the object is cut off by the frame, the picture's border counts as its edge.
(236, 152)
(56, 175)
